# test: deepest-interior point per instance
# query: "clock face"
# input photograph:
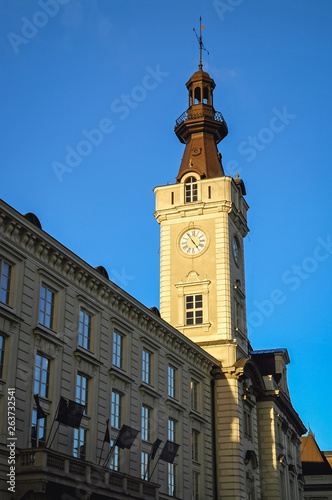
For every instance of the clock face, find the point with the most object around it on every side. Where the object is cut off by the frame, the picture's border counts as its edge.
(193, 241)
(236, 250)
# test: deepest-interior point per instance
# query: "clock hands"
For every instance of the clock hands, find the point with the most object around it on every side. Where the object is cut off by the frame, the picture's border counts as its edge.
(192, 240)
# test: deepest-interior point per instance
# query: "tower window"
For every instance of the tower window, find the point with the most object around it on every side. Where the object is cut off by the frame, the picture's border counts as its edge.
(197, 95)
(194, 309)
(190, 190)
(206, 95)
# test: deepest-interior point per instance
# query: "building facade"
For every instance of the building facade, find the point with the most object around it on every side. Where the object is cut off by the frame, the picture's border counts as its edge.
(67, 331)
(209, 417)
(317, 469)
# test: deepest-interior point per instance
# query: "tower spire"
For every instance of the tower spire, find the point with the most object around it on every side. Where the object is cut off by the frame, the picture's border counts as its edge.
(200, 41)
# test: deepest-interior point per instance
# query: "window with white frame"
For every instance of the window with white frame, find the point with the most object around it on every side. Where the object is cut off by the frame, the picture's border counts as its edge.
(146, 366)
(5, 280)
(117, 349)
(171, 381)
(84, 330)
(145, 423)
(190, 190)
(46, 307)
(79, 448)
(116, 410)
(42, 375)
(194, 309)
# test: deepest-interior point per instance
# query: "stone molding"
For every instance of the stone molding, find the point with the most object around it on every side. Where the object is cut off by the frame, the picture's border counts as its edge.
(45, 249)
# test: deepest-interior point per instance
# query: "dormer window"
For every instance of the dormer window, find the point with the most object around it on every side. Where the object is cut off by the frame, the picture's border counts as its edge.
(190, 190)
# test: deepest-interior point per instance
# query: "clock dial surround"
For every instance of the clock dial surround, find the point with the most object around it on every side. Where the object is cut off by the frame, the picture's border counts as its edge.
(193, 241)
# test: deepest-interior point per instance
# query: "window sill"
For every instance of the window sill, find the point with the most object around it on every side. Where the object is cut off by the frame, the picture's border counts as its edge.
(149, 390)
(174, 403)
(8, 313)
(117, 372)
(195, 415)
(49, 335)
(87, 356)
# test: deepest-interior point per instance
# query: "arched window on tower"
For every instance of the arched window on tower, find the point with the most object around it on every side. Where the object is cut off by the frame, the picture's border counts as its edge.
(206, 95)
(190, 190)
(197, 95)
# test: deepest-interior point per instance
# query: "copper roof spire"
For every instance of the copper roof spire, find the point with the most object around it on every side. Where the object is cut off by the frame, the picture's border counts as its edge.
(200, 128)
(201, 45)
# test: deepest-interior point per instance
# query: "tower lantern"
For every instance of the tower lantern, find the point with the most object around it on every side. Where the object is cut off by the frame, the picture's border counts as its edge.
(201, 128)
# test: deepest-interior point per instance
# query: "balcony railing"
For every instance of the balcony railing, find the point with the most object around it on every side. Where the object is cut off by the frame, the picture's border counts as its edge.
(192, 114)
(50, 466)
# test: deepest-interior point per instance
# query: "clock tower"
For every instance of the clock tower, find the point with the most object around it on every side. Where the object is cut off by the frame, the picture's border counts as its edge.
(203, 220)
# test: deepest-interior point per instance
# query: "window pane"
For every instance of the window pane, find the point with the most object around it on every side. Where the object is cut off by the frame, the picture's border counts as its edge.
(38, 438)
(171, 381)
(84, 330)
(5, 277)
(46, 307)
(193, 394)
(117, 350)
(82, 391)
(145, 423)
(114, 462)
(146, 366)
(171, 479)
(115, 410)
(194, 445)
(144, 466)
(194, 309)
(79, 449)
(41, 376)
(171, 429)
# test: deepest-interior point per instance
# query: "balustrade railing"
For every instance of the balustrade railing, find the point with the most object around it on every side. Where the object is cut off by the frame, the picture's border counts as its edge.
(53, 464)
(193, 114)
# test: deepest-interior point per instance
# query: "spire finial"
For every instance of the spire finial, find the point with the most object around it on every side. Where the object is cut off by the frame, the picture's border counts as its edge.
(201, 45)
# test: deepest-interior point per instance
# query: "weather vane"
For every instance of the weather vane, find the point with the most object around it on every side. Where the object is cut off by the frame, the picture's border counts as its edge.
(201, 45)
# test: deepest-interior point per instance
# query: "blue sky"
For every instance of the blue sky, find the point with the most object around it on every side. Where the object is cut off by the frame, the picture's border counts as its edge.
(114, 74)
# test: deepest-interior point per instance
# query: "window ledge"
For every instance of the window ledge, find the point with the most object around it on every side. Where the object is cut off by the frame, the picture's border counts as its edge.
(117, 372)
(195, 415)
(87, 356)
(149, 390)
(174, 403)
(49, 335)
(8, 313)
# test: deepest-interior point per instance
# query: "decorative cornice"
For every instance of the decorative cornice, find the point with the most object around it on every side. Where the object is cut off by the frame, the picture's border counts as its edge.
(44, 248)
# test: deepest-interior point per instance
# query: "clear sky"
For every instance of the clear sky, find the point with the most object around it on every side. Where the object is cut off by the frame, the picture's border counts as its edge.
(113, 74)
